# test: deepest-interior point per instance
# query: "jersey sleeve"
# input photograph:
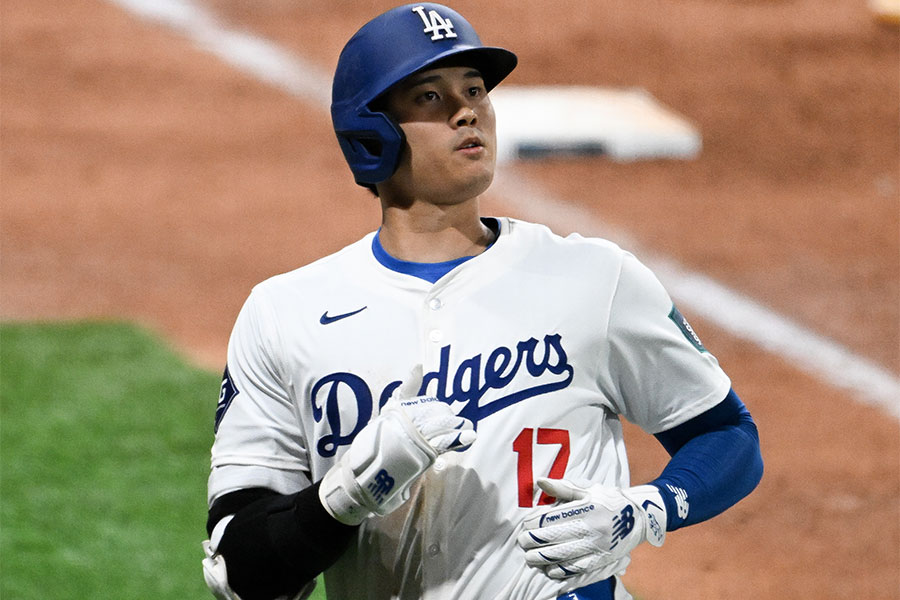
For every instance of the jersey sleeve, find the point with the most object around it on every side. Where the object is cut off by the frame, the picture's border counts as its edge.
(660, 373)
(259, 441)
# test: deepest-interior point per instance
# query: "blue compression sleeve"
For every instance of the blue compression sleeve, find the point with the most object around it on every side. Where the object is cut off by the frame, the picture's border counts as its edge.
(716, 461)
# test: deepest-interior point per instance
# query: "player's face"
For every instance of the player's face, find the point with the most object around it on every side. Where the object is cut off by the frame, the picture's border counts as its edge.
(450, 134)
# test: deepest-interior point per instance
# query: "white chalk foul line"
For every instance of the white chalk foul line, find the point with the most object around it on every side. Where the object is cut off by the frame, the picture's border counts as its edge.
(734, 312)
(249, 53)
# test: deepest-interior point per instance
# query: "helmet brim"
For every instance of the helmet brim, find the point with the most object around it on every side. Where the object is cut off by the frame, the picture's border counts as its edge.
(493, 63)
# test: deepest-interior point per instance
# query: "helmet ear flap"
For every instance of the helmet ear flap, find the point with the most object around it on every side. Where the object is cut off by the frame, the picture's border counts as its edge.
(373, 149)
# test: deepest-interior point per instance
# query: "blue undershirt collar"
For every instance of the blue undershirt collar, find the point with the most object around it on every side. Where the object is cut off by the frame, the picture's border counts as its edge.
(430, 272)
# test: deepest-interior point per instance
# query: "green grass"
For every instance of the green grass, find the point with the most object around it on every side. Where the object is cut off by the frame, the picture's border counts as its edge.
(104, 453)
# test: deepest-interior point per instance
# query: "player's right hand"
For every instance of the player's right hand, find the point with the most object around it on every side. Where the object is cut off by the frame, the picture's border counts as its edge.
(591, 528)
(390, 453)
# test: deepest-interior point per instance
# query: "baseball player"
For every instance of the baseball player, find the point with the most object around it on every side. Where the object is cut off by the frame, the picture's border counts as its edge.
(434, 411)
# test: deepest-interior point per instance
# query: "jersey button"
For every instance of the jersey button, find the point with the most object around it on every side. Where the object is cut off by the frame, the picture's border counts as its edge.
(435, 304)
(435, 335)
(434, 550)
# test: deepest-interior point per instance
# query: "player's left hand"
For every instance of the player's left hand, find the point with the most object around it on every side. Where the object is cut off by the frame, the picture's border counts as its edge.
(591, 528)
(442, 429)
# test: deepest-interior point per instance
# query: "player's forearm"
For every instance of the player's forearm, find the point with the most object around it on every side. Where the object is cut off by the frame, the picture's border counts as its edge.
(276, 544)
(712, 470)
(272, 545)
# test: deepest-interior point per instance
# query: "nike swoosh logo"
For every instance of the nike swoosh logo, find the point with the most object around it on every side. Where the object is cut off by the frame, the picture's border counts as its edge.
(326, 319)
(650, 503)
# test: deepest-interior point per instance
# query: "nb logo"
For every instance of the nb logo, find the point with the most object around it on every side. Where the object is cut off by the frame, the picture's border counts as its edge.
(435, 24)
(381, 485)
(681, 500)
(623, 523)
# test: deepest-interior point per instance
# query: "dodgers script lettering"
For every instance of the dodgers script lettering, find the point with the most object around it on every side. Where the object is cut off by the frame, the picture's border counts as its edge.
(478, 387)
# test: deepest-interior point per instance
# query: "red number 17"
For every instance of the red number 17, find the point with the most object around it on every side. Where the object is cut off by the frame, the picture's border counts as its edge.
(523, 445)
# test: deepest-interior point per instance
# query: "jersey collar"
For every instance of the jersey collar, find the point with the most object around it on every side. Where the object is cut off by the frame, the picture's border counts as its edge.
(430, 272)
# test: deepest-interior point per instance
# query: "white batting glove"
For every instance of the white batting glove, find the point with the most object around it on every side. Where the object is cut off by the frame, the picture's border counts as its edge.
(389, 454)
(591, 528)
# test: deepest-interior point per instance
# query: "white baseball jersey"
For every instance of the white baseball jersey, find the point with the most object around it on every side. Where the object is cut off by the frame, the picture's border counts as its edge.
(542, 341)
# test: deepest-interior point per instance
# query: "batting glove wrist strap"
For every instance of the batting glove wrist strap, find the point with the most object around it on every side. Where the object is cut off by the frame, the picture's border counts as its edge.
(653, 511)
(375, 473)
(389, 454)
(592, 528)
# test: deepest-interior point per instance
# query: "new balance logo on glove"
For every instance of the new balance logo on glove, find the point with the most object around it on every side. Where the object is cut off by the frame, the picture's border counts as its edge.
(623, 523)
(381, 485)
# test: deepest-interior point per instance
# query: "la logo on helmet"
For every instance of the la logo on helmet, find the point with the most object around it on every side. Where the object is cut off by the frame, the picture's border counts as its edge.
(435, 24)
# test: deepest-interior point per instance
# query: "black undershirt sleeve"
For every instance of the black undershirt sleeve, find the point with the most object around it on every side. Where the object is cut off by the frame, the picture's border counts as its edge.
(277, 543)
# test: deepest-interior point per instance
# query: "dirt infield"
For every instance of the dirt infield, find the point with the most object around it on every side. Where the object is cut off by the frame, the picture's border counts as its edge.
(142, 178)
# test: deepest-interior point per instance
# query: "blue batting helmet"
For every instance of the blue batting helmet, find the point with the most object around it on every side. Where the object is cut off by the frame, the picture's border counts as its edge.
(382, 53)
